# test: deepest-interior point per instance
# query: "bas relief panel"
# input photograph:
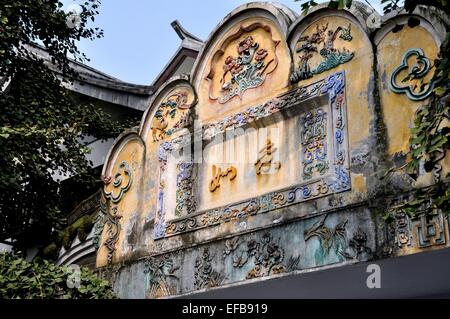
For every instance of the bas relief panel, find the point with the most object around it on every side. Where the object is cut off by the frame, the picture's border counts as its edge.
(243, 62)
(172, 114)
(294, 148)
(321, 48)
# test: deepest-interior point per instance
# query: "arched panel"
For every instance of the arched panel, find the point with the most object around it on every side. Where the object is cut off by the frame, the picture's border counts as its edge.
(328, 41)
(122, 174)
(245, 61)
(401, 50)
(169, 111)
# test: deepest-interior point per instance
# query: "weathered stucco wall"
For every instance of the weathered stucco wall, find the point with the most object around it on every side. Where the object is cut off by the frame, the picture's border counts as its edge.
(200, 196)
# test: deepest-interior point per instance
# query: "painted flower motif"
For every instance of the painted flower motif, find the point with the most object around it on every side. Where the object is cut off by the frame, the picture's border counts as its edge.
(230, 62)
(261, 54)
(236, 68)
(245, 44)
(230, 65)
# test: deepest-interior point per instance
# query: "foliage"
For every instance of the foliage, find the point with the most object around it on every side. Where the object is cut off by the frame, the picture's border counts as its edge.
(64, 238)
(41, 125)
(410, 5)
(80, 228)
(42, 279)
(334, 4)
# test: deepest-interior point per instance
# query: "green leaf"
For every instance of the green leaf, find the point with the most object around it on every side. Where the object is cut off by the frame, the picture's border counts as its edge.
(39, 279)
(333, 4)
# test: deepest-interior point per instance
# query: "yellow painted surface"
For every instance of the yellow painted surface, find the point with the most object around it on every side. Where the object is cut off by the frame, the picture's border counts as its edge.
(398, 110)
(246, 185)
(242, 153)
(358, 183)
(132, 153)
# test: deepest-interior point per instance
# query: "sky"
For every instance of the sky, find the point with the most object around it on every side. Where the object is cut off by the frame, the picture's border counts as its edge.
(138, 39)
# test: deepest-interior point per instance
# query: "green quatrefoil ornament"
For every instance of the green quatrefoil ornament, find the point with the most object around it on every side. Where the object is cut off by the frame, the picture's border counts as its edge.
(417, 72)
(119, 183)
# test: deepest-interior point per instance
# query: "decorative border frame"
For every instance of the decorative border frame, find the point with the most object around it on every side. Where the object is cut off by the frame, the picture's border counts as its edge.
(337, 181)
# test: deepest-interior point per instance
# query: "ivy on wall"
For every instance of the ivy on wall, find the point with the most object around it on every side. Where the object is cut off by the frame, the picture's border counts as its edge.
(430, 134)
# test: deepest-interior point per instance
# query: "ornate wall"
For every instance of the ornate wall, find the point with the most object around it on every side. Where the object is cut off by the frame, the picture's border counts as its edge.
(267, 159)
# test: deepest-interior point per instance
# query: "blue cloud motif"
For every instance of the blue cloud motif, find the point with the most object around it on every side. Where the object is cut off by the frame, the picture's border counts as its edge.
(415, 72)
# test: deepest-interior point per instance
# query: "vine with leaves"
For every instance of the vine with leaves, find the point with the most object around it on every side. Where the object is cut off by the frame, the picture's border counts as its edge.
(41, 279)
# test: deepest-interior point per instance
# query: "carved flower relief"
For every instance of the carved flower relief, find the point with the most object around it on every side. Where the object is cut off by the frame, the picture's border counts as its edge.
(205, 275)
(244, 67)
(245, 44)
(261, 54)
(160, 276)
(231, 66)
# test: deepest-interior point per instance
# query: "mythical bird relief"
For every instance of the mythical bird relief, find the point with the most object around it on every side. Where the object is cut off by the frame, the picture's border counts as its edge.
(333, 241)
(266, 253)
(176, 103)
(314, 143)
(160, 278)
(308, 47)
(247, 69)
(205, 276)
(330, 238)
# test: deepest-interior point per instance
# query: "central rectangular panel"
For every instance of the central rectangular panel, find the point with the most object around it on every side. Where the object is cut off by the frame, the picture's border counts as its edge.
(288, 150)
